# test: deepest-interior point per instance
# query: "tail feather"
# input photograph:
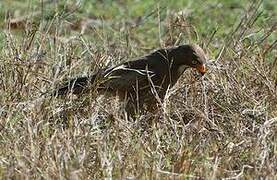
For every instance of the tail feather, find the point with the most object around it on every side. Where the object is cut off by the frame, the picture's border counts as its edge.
(75, 86)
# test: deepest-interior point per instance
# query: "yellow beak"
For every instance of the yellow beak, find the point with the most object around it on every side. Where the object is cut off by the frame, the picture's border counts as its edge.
(201, 68)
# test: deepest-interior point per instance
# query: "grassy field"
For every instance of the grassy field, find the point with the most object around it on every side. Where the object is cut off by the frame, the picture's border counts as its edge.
(223, 125)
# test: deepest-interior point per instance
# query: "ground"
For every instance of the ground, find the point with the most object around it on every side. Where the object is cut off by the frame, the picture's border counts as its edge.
(222, 125)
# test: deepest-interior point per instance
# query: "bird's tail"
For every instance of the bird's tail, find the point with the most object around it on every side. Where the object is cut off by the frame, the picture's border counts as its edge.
(75, 86)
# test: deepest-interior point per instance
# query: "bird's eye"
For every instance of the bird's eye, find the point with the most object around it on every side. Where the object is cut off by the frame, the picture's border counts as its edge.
(194, 62)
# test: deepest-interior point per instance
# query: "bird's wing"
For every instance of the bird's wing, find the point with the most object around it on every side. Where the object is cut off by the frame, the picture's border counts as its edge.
(129, 75)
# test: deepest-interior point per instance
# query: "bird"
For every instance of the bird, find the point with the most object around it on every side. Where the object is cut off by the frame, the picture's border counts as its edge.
(144, 81)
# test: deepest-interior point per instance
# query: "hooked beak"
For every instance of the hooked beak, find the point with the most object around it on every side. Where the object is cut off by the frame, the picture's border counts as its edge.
(201, 68)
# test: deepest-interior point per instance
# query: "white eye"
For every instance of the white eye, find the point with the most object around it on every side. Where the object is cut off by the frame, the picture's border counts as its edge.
(194, 62)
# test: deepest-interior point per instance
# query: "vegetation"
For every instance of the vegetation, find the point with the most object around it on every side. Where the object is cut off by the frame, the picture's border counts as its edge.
(222, 125)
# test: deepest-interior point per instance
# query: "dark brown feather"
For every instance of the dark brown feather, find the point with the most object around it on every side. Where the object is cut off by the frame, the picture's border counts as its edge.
(144, 79)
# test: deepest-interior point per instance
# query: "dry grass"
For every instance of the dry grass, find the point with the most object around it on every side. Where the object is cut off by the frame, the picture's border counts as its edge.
(220, 126)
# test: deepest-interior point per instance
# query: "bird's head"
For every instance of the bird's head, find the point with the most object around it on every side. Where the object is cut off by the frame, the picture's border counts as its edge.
(193, 56)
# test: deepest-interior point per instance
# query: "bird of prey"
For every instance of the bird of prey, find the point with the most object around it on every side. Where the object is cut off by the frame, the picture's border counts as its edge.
(144, 81)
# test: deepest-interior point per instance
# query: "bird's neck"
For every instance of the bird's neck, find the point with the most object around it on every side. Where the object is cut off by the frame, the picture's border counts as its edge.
(181, 69)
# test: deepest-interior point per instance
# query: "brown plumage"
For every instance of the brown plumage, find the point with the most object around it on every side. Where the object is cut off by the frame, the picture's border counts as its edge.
(145, 80)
